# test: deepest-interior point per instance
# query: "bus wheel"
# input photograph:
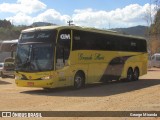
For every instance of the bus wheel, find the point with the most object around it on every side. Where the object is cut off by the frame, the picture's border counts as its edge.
(2, 75)
(79, 80)
(130, 74)
(136, 74)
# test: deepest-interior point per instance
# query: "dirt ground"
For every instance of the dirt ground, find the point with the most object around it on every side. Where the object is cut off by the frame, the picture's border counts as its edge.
(142, 95)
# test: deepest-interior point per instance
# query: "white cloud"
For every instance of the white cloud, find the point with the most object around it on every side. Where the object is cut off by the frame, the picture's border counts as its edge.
(21, 19)
(52, 16)
(130, 15)
(49, 15)
(23, 6)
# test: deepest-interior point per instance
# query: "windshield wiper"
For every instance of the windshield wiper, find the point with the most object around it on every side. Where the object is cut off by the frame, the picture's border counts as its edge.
(24, 64)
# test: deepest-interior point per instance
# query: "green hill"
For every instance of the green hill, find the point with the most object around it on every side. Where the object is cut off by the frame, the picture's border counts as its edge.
(137, 30)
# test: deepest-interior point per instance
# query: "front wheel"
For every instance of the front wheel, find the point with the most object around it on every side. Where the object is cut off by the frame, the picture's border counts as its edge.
(79, 80)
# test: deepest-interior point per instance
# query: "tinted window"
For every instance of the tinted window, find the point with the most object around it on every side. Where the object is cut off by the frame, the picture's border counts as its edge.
(1, 65)
(91, 41)
(158, 58)
(153, 57)
(63, 48)
(95, 41)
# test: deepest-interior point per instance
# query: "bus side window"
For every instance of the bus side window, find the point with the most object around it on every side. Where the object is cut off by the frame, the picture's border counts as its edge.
(153, 57)
(63, 48)
(157, 58)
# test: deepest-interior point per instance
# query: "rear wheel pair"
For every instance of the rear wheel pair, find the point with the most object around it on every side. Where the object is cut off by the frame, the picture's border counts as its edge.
(132, 75)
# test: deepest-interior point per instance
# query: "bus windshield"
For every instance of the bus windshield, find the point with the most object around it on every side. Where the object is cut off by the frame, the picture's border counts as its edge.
(35, 51)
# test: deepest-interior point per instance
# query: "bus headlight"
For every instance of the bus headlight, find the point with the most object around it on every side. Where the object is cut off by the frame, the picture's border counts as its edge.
(46, 77)
(18, 77)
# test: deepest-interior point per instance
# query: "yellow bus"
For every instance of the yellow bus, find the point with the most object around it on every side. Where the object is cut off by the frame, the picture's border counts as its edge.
(59, 56)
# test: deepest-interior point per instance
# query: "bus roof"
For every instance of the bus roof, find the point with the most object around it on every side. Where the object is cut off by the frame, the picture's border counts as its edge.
(89, 29)
(10, 41)
(157, 54)
(7, 45)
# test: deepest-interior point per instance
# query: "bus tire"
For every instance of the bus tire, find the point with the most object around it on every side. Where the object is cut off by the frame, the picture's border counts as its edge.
(136, 74)
(2, 75)
(79, 80)
(130, 75)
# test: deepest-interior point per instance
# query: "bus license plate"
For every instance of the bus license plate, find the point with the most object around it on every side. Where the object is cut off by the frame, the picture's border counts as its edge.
(30, 83)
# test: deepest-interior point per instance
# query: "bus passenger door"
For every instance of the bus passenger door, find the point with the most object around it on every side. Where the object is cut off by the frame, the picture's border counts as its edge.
(62, 55)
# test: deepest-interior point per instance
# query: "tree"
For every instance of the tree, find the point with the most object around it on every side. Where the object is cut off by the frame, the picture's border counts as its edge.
(5, 24)
(154, 29)
(156, 25)
(155, 33)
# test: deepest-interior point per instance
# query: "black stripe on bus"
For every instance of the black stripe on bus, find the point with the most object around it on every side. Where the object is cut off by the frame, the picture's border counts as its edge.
(114, 69)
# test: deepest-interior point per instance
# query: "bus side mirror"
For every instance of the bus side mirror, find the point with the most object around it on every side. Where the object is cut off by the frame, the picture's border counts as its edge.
(13, 47)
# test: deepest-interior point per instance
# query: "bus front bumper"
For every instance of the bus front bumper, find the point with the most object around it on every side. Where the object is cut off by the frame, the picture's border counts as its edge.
(35, 83)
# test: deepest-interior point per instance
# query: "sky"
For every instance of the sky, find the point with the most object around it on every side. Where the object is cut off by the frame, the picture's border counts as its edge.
(91, 13)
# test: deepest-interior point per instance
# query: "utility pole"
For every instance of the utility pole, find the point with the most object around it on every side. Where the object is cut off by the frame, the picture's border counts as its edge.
(69, 22)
